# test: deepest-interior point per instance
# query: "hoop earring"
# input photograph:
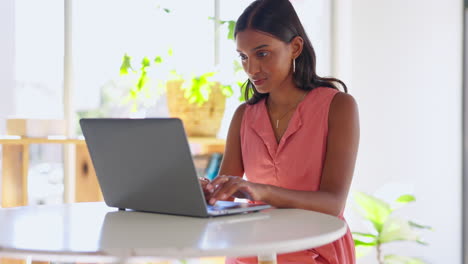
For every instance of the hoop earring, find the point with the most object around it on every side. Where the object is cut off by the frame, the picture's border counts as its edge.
(294, 65)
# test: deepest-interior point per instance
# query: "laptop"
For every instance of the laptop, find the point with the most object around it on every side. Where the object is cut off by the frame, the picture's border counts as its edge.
(146, 165)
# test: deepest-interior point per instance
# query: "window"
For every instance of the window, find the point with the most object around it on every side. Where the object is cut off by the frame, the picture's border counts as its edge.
(102, 32)
(102, 36)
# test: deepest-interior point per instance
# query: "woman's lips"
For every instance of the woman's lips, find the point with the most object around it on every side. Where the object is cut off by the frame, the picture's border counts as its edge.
(259, 82)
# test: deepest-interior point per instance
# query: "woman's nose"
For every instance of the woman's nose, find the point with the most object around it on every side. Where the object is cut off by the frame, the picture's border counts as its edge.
(252, 67)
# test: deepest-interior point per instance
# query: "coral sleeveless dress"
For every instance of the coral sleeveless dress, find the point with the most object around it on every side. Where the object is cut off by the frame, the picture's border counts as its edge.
(295, 162)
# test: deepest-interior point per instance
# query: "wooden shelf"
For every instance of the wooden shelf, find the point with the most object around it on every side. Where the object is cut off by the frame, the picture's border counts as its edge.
(15, 166)
(4, 140)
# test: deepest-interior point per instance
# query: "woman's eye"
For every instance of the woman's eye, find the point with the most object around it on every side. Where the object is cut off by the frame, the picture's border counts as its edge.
(262, 54)
(242, 57)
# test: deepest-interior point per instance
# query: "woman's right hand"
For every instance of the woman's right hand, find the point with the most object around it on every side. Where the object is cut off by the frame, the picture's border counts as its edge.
(206, 187)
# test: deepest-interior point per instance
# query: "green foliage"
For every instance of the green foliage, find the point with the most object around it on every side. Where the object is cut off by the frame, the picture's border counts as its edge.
(197, 89)
(393, 259)
(231, 24)
(126, 64)
(406, 198)
(165, 10)
(387, 227)
(373, 209)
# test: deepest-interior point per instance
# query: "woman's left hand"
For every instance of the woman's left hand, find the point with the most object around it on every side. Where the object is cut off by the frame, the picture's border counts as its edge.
(223, 187)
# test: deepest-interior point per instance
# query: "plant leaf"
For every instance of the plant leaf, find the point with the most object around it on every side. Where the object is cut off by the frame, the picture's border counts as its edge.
(364, 239)
(133, 94)
(231, 27)
(227, 90)
(422, 242)
(397, 229)
(358, 242)
(362, 251)
(364, 234)
(158, 60)
(394, 259)
(221, 22)
(415, 225)
(145, 63)
(406, 198)
(141, 81)
(373, 209)
(205, 91)
(126, 64)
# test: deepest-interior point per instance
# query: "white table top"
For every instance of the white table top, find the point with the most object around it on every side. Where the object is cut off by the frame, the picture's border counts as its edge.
(91, 232)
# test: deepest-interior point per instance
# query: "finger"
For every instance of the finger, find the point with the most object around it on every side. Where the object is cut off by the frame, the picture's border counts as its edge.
(207, 196)
(210, 187)
(218, 184)
(229, 189)
(220, 179)
(203, 180)
(226, 190)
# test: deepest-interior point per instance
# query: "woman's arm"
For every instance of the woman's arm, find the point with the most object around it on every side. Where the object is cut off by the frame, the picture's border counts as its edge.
(342, 145)
(232, 157)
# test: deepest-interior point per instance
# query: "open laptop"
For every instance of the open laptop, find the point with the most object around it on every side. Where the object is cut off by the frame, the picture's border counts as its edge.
(146, 165)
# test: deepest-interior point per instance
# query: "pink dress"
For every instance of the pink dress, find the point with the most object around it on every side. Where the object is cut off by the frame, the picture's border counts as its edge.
(295, 163)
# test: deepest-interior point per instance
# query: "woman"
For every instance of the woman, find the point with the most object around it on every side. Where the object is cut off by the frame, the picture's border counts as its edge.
(297, 135)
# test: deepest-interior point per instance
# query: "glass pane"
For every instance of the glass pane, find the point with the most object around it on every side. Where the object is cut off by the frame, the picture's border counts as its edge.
(39, 49)
(145, 28)
(45, 179)
(39, 58)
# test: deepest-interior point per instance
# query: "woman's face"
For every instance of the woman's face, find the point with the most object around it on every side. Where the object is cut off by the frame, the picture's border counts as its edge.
(266, 60)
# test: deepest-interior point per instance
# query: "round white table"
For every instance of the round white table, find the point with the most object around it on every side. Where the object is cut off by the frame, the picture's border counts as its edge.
(93, 232)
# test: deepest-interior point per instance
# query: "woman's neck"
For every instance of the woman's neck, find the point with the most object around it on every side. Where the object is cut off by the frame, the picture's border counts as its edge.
(285, 98)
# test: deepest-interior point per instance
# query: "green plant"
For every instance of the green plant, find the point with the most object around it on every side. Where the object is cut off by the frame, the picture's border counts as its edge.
(387, 227)
(231, 24)
(197, 88)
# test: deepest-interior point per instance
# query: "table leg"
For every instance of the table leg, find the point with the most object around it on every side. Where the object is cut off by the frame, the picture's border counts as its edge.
(267, 258)
(15, 162)
(86, 183)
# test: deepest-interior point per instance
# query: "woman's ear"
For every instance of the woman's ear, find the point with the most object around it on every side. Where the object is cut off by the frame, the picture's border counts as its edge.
(297, 43)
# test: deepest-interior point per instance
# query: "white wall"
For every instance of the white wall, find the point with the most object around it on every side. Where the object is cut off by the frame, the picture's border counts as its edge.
(405, 70)
(7, 61)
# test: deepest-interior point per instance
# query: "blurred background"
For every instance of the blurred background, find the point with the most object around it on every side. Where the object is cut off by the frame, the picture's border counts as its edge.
(401, 59)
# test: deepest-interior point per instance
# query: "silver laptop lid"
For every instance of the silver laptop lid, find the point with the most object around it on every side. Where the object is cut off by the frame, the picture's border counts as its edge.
(145, 165)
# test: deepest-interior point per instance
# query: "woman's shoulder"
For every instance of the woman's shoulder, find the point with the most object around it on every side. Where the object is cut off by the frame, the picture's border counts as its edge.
(241, 109)
(331, 100)
(343, 105)
(342, 99)
(326, 90)
(247, 107)
(239, 113)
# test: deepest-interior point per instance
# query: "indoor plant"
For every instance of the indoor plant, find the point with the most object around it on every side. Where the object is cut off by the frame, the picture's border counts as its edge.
(386, 227)
(199, 100)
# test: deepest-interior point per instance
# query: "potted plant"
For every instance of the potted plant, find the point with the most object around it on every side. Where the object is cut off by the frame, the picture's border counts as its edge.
(197, 99)
(387, 228)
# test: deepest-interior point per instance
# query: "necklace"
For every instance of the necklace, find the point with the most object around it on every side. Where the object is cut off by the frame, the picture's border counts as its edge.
(283, 115)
